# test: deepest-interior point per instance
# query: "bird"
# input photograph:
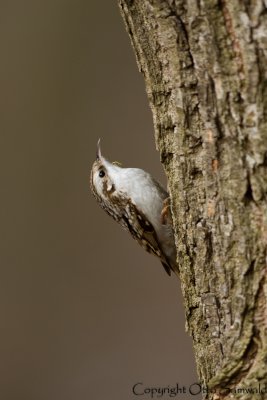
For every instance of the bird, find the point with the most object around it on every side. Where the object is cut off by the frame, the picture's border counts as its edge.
(133, 198)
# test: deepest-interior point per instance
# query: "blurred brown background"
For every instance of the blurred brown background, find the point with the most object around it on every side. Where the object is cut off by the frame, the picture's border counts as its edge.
(85, 312)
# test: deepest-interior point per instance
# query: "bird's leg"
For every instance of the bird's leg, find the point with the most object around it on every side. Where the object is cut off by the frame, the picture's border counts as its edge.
(166, 211)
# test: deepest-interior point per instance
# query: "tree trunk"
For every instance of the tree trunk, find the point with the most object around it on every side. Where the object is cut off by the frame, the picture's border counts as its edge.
(204, 64)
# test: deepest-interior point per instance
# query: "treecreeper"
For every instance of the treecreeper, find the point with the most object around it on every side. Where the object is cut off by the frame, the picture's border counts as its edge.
(133, 198)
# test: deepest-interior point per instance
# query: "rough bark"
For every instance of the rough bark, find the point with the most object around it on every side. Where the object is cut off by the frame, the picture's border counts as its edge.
(205, 69)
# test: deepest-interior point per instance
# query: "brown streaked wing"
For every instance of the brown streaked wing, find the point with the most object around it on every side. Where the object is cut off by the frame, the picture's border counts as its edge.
(143, 231)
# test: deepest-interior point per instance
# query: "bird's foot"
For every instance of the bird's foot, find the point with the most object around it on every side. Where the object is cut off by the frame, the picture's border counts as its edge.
(166, 211)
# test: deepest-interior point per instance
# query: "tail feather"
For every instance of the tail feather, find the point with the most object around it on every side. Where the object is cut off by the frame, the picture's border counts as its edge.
(166, 267)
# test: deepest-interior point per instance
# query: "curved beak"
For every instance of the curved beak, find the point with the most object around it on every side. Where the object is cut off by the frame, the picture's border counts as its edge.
(98, 150)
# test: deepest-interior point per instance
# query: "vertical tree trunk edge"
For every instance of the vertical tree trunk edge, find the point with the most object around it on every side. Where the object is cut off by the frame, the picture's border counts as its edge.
(204, 65)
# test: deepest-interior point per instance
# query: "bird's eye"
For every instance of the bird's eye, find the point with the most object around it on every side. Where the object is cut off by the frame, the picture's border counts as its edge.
(101, 173)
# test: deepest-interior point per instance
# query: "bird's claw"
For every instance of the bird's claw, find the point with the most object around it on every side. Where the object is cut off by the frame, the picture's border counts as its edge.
(166, 212)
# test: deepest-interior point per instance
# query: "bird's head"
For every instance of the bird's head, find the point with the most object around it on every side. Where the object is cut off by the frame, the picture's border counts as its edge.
(103, 176)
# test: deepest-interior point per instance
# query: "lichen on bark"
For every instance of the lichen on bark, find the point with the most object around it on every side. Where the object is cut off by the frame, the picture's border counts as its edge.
(204, 64)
